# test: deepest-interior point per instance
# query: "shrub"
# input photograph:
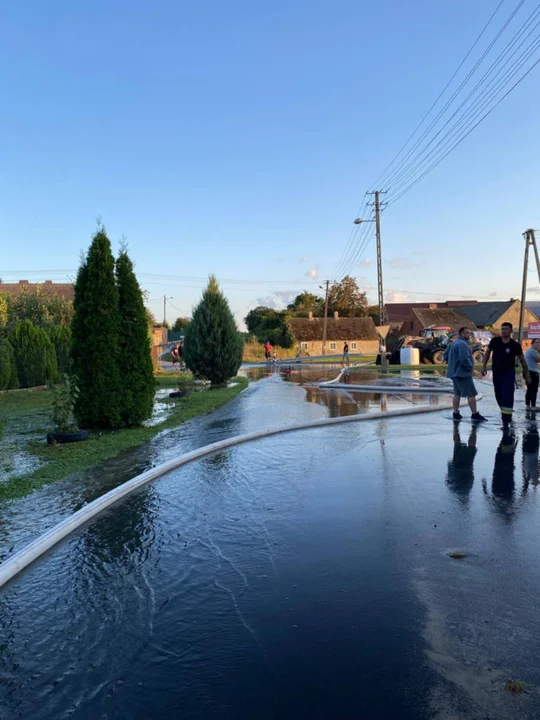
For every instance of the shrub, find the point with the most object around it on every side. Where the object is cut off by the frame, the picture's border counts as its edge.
(35, 357)
(8, 368)
(64, 400)
(138, 384)
(95, 338)
(60, 337)
(213, 345)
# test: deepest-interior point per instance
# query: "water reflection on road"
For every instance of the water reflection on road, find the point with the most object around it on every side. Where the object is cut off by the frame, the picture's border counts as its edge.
(304, 576)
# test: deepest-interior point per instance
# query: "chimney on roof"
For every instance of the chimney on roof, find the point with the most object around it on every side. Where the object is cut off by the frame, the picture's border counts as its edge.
(310, 315)
(23, 282)
(432, 306)
(48, 282)
(336, 315)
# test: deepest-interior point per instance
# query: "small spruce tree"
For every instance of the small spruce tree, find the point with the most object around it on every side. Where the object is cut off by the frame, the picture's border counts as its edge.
(138, 384)
(213, 345)
(95, 338)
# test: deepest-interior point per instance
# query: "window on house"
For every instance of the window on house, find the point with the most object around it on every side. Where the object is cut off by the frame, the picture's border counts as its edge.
(354, 346)
(412, 324)
(332, 346)
(303, 346)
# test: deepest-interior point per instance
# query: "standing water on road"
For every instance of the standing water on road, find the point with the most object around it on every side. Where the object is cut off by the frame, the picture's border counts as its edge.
(306, 575)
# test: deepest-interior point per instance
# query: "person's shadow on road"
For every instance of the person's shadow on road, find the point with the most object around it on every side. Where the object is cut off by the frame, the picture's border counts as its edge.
(460, 475)
(503, 480)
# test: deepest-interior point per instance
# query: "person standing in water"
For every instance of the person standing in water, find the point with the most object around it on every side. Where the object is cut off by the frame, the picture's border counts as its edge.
(532, 356)
(505, 350)
(460, 361)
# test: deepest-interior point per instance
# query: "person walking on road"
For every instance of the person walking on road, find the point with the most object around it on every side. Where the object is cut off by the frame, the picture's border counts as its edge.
(532, 356)
(460, 361)
(345, 358)
(505, 350)
(267, 351)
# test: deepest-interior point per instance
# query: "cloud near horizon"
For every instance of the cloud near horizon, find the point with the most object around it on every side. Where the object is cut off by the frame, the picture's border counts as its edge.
(278, 300)
(396, 296)
(399, 262)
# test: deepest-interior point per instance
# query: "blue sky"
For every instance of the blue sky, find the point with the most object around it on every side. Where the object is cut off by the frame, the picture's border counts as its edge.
(239, 138)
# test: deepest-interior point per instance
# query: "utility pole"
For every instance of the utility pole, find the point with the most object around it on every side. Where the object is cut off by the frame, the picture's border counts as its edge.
(165, 298)
(325, 321)
(380, 291)
(530, 240)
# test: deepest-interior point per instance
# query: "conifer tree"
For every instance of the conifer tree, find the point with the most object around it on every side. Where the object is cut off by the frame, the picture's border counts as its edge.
(138, 384)
(95, 338)
(213, 345)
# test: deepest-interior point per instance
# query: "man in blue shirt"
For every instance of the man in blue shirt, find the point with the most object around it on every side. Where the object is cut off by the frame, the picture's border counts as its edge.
(460, 361)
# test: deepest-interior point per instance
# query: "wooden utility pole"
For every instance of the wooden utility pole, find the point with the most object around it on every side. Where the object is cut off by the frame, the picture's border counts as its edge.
(325, 321)
(530, 239)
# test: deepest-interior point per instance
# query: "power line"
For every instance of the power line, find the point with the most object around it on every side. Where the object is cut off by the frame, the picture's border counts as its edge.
(483, 97)
(348, 261)
(353, 236)
(458, 142)
(448, 103)
(431, 148)
(379, 180)
(165, 277)
(447, 295)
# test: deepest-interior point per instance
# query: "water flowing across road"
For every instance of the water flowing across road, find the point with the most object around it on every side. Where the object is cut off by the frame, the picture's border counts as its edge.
(302, 576)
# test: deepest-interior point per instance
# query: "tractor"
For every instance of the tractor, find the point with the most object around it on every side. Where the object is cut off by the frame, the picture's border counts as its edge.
(432, 344)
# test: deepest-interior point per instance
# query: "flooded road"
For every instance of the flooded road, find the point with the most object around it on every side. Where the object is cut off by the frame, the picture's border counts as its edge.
(302, 576)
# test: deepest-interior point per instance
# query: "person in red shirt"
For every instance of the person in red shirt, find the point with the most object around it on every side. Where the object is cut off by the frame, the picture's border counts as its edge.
(267, 350)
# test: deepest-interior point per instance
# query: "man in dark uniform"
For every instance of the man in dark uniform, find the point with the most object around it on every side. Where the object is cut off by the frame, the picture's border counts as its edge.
(505, 350)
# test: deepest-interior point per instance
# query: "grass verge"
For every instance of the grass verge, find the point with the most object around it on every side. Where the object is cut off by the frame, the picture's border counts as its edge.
(423, 368)
(33, 410)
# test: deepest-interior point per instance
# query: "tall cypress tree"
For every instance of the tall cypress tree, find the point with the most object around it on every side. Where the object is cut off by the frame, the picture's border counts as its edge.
(213, 345)
(138, 384)
(95, 338)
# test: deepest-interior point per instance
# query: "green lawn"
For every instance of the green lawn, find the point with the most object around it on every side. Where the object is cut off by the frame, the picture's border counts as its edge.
(25, 417)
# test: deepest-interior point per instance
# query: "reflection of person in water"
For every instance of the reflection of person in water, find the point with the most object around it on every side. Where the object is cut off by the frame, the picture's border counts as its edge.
(503, 483)
(531, 446)
(460, 477)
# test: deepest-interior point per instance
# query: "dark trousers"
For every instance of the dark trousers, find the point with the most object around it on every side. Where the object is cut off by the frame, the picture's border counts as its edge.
(532, 390)
(504, 386)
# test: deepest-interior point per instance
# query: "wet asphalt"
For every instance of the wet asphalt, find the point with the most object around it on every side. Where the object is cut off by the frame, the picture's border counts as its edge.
(383, 570)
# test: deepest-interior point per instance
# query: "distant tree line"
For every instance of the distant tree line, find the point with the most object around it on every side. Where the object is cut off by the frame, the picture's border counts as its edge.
(344, 297)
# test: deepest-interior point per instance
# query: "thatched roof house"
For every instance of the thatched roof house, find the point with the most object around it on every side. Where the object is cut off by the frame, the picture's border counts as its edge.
(358, 332)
